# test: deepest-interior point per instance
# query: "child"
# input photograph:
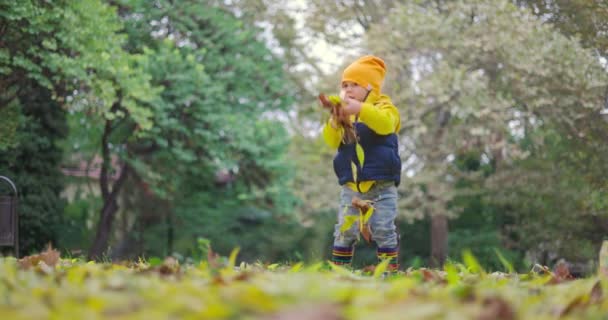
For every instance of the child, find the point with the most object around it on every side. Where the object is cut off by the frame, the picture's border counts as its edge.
(376, 122)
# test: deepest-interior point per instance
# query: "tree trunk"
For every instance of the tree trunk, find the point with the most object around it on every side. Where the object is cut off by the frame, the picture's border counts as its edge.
(439, 240)
(109, 196)
(106, 219)
(439, 222)
(103, 230)
(170, 232)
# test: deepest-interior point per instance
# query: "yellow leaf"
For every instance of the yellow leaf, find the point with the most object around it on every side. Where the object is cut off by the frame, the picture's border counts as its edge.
(360, 154)
(471, 262)
(315, 267)
(348, 222)
(340, 270)
(232, 258)
(360, 221)
(368, 214)
(297, 267)
(353, 167)
(380, 268)
(334, 99)
(504, 261)
(451, 274)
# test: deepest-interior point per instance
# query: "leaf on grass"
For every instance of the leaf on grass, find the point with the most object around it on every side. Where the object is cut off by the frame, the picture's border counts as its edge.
(452, 276)
(596, 295)
(339, 269)
(471, 262)
(496, 308)
(561, 274)
(429, 275)
(315, 267)
(323, 311)
(504, 261)
(381, 267)
(368, 269)
(170, 266)
(575, 303)
(583, 301)
(50, 257)
(297, 267)
(232, 258)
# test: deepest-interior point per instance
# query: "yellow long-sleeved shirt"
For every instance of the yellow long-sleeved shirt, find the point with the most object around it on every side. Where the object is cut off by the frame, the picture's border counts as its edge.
(379, 114)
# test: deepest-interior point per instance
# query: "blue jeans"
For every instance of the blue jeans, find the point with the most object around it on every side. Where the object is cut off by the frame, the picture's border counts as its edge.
(382, 222)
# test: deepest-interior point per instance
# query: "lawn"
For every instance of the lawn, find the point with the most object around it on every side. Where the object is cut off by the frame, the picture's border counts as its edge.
(46, 286)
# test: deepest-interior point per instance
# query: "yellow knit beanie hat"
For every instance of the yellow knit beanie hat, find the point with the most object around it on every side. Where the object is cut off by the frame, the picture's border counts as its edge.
(367, 71)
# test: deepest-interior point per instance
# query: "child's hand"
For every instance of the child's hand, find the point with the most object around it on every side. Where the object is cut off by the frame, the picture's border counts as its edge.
(350, 106)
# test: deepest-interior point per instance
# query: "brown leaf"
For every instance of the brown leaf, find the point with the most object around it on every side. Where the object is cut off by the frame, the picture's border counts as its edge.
(496, 308)
(562, 272)
(350, 135)
(325, 102)
(575, 303)
(429, 275)
(50, 257)
(363, 206)
(369, 269)
(213, 259)
(243, 276)
(322, 311)
(596, 294)
(170, 266)
(366, 233)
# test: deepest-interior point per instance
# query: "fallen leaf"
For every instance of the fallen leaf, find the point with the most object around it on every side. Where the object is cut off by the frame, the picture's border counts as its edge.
(496, 308)
(323, 311)
(50, 257)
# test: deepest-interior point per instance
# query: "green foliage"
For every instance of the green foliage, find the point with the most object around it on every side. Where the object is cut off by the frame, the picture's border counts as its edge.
(32, 162)
(221, 88)
(469, 82)
(580, 19)
(552, 198)
(67, 45)
(9, 125)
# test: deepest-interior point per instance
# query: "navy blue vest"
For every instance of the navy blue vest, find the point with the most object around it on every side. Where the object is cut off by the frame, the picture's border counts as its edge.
(381, 161)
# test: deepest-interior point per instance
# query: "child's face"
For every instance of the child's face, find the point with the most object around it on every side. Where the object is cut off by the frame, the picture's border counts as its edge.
(353, 91)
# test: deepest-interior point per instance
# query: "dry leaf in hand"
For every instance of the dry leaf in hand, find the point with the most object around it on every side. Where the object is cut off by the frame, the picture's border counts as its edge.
(364, 207)
(343, 120)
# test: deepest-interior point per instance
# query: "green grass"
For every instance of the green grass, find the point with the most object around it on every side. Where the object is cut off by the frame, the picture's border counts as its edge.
(217, 289)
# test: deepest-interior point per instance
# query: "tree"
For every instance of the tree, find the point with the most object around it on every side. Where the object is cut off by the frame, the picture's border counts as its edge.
(586, 21)
(472, 75)
(221, 87)
(344, 24)
(32, 162)
(73, 50)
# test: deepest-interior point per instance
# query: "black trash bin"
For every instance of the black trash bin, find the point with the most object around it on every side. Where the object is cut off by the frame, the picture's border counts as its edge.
(9, 220)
